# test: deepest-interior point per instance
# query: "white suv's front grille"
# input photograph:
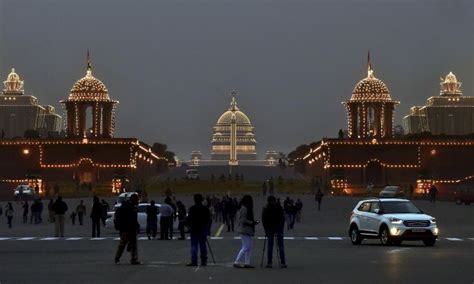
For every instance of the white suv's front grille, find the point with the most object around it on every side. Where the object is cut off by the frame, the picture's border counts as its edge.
(416, 223)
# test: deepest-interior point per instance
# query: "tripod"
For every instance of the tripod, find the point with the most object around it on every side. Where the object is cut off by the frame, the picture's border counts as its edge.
(275, 241)
(210, 251)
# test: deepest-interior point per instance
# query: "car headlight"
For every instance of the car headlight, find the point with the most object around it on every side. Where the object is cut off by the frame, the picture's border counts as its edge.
(433, 221)
(395, 221)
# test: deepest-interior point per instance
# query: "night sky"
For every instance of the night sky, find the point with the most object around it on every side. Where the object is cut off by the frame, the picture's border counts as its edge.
(171, 64)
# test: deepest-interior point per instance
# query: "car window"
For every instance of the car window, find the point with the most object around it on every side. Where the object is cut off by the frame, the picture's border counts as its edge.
(374, 206)
(364, 207)
(399, 207)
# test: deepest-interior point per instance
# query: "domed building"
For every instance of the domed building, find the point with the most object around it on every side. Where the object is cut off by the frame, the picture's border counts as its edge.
(233, 136)
(89, 92)
(370, 109)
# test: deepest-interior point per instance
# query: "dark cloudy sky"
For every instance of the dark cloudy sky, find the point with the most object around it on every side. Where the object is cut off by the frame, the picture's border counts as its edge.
(171, 63)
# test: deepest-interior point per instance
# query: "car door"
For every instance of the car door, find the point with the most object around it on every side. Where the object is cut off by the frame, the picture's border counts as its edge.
(363, 210)
(373, 217)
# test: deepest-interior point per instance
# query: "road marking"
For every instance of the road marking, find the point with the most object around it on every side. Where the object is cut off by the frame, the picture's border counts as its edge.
(311, 238)
(472, 239)
(454, 239)
(217, 238)
(289, 238)
(73, 239)
(49, 239)
(237, 238)
(335, 238)
(197, 268)
(26, 238)
(4, 239)
(142, 238)
(261, 238)
(116, 239)
(219, 231)
(97, 239)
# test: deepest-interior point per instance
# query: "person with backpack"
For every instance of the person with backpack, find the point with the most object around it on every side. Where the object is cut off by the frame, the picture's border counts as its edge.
(273, 220)
(96, 216)
(246, 230)
(126, 223)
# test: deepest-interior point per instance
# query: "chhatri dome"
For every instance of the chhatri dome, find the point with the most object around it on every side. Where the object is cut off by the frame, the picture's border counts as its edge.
(370, 109)
(89, 88)
(13, 84)
(450, 86)
(245, 143)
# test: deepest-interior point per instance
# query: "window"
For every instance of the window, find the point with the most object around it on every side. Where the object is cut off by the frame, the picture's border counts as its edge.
(374, 206)
(399, 207)
(364, 207)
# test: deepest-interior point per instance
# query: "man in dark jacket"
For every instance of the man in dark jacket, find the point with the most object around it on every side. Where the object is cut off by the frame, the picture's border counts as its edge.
(126, 223)
(59, 208)
(181, 219)
(96, 215)
(151, 220)
(273, 219)
(199, 218)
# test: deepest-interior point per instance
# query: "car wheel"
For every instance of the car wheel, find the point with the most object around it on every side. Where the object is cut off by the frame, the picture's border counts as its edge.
(385, 236)
(354, 234)
(429, 242)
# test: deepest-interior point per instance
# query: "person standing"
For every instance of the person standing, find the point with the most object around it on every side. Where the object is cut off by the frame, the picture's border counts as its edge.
(319, 198)
(126, 223)
(50, 211)
(370, 187)
(26, 208)
(34, 211)
(73, 217)
(273, 220)
(81, 211)
(264, 188)
(96, 215)
(181, 219)
(198, 220)
(299, 209)
(59, 208)
(9, 214)
(246, 230)
(151, 220)
(40, 211)
(105, 210)
(166, 219)
(432, 192)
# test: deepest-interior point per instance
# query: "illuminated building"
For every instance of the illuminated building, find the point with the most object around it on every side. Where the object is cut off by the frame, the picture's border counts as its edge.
(20, 112)
(371, 154)
(233, 139)
(88, 155)
(450, 113)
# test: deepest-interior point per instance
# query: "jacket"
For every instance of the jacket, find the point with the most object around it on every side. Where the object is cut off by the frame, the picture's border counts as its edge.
(199, 218)
(245, 226)
(96, 211)
(273, 218)
(59, 207)
(126, 218)
(151, 213)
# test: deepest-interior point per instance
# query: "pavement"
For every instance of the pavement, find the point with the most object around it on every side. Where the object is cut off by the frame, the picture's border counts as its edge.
(318, 251)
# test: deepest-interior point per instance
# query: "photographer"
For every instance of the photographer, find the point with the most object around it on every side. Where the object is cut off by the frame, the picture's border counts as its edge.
(273, 220)
(246, 230)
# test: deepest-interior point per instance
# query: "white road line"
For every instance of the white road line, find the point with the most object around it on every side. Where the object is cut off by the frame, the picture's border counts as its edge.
(472, 239)
(142, 238)
(311, 238)
(261, 238)
(4, 239)
(335, 238)
(116, 239)
(237, 238)
(454, 239)
(217, 238)
(26, 239)
(97, 239)
(49, 239)
(289, 238)
(73, 239)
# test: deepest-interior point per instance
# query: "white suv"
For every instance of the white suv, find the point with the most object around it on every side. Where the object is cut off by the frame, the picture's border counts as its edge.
(391, 220)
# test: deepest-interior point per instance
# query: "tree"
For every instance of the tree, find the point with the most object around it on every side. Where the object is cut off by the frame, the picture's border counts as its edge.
(159, 148)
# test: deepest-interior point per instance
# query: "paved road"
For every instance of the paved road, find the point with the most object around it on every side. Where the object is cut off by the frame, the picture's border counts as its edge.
(318, 251)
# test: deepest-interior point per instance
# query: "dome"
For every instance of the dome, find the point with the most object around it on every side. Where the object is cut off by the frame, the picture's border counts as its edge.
(89, 88)
(370, 89)
(241, 118)
(450, 85)
(13, 84)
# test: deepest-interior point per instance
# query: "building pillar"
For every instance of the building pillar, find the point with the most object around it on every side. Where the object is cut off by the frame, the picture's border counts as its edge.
(107, 120)
(82, 119)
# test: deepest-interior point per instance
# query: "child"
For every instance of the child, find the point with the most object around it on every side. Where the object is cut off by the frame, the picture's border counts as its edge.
(73, 217)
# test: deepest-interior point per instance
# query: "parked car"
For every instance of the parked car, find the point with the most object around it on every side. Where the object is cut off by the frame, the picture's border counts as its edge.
(192, 174)
(392, 221)
(464, 194)
(24, 190)
(390, 191)
(141, 216)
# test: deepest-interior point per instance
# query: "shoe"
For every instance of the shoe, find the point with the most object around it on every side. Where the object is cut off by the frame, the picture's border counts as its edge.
(135, 262)
(192, 264)
(236, 265)
(283, 266)
(117, 260)
(268, 265)
(248, 266)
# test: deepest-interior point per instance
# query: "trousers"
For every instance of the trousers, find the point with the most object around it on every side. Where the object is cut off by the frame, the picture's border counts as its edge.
(271, 239)
(130, 239)
(245, 249)
(59, 222)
